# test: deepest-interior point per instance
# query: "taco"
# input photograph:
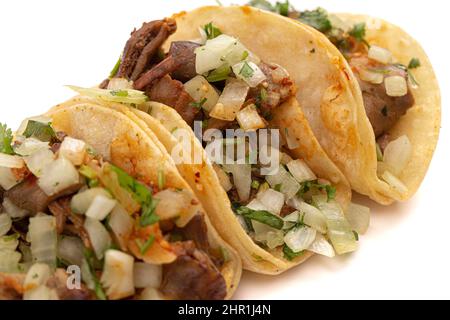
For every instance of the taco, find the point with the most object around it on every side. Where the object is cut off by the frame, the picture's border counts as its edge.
(221, 68)
(372, 117)
(92, 208)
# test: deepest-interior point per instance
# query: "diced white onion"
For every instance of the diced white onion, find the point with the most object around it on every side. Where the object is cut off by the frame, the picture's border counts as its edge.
(147, 275)
(301, 171)
(289, 186)
(300, 239)
(43, 238)
(8, 243)
(9, 261)
(396, 86)
(30, 146)
(371, 76)
(73, 150)
(359, 217)
(291, 140)
(57, 176)
(37, 275)
(380, 54)
(121, 225)
(322, 246)
(11, 162)
(7, 178)
(100, 207)
(249, 119)
(312, 216)
(171, 204)
(272, 200)
(271, 237)
(81, 202)
(224, 179)
(285, 158)
(238, 52)
(340, 232)
(212, 55)
(231, 100)
(98, 235)
(242, 179)
(117, 275)
(150, 294)
(12, 210)
(398, 154)
(119, 84)
(200, 89)
(254, 77)
(395, 182)
(41, 293)
(70, 249)
(5, 224)
(37, 161)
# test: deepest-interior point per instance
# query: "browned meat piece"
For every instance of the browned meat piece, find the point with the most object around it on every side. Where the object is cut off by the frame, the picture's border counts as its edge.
(29, 196)
(382, 110)
(11, 286)
(142, 46)
(218, 124)
(61, 210)
(196, 230)
(171, 92)
(59, 282)
(286, 210)
(192, 276)
(383, 141)
(184, 53)
(180, 63)
(2, 192)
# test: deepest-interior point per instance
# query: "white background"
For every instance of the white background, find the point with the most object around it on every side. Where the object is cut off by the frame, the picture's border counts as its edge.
(406, 254)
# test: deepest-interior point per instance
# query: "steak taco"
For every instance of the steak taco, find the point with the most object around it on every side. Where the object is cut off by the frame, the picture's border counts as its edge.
(376, 135)
(92, 208)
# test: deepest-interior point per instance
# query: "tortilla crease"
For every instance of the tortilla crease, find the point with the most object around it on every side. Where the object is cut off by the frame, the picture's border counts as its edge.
(123, 143)
(343, 129)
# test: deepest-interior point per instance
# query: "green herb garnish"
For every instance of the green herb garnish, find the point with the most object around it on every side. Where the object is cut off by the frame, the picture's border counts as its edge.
(246, 70)
(199, 104)
(289, 254)
(39, 130)
(310, 185)
(90, 260)
(114, 71)
(255, 184)
(119, 93)
(6, 139)
(219, 74)
(142, 194)
(261, 216)
(318, 19)
(211, 31)
(143, 248)
(414, 63)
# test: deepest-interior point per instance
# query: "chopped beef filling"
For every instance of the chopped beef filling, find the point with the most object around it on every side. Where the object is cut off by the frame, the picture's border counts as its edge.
(192, 276)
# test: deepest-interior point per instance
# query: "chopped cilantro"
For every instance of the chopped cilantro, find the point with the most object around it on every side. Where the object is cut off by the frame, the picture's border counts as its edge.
(211, 31)
(414, 63)
(318, 19)
(39, 130)
(255, 184)
(119, 93)
(246, 70)
(114, 71)
(90, 260)
(356, 235)
(143, 248)
(219, 74)
(282, 8)
(359, 31)
(261, 216)
(278, 187)
(289, 254)
(6, 139)
(199, 104)
(310, 185)
(142, 194)
(261, 4)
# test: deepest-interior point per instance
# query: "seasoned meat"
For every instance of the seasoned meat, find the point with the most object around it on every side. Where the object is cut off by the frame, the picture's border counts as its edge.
(180, 63)
(183, 52)
(196, 230)
(2, 192)
(61, 210)
(142, 46)
(382, 110)
(29, 196)
(193, 276)
(171, 92)
(11, 286)
(383, 141)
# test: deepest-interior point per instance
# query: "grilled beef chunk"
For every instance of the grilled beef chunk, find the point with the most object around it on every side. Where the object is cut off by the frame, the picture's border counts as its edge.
(171, 92)
(142, 47)
(180, 63)
(193, 276)
(29, 196)
(382, 110)
(61, 210)
(2, 192)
